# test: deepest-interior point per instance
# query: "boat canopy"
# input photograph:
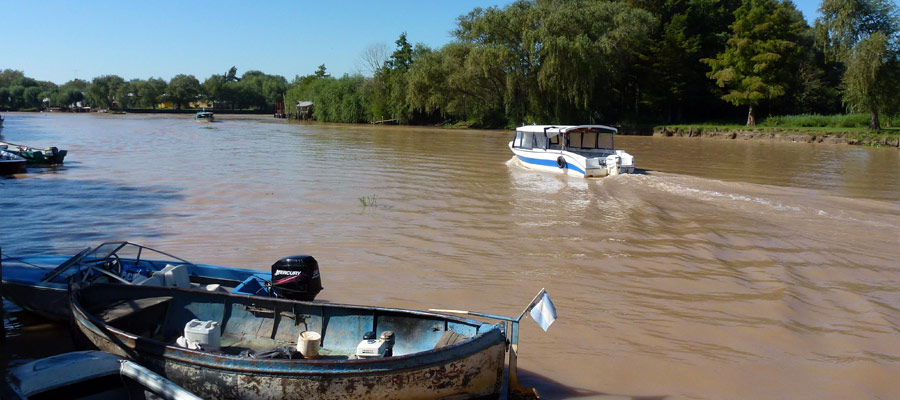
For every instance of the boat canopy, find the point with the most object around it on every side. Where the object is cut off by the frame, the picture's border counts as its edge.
(553, 130)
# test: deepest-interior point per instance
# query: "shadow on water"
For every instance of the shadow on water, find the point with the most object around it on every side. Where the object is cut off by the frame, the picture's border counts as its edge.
(63, 214)
(30, 336)
(550, 389)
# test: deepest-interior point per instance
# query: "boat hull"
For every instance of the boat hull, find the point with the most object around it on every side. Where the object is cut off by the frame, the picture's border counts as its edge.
(48, 302)
(548, 160)
(40, 157)
(11, 167)
(470, 370)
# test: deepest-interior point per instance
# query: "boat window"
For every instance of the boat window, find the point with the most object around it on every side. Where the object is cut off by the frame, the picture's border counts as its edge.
(574, 140)
(540, 141)
(517, 142)
(554, 142)
(589, 140)
(527, 141)
(605, 141)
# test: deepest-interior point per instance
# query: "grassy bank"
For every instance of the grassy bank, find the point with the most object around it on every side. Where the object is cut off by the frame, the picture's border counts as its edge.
(837, 129)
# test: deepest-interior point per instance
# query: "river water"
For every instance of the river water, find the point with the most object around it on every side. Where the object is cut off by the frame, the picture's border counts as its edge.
(725, 269)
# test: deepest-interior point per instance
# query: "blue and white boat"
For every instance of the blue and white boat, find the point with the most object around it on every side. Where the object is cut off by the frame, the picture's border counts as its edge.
(41, 284)
(583, 150)
(204, 116)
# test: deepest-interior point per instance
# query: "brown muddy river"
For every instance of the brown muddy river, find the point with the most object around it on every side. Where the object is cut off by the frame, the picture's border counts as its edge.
(726, 270)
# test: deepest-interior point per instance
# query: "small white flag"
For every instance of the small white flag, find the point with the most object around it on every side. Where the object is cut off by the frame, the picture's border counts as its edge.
(543, 312)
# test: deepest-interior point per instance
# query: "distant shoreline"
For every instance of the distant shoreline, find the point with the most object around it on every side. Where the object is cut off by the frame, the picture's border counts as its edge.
(797, 135)
(776, 134)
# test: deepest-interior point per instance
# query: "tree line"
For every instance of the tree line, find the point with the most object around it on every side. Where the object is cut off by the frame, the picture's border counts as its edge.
(253, 90)
(573, 61)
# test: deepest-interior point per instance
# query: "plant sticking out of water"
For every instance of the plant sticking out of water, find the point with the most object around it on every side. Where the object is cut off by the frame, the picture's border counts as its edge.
(367, 201)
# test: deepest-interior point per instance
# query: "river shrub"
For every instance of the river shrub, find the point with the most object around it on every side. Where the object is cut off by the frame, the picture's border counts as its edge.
(829, 121)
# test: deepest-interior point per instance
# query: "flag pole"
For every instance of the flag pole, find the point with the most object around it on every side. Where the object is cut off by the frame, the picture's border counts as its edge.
(531, 305)
(515, 390)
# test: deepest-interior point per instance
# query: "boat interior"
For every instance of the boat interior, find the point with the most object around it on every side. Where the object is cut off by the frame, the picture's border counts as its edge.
(251, 326)
(129, 263)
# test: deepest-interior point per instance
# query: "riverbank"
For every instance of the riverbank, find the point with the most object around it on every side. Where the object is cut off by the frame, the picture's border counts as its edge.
(801, 135)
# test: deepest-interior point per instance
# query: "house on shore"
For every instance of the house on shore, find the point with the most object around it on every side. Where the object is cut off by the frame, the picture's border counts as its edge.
(304, 110)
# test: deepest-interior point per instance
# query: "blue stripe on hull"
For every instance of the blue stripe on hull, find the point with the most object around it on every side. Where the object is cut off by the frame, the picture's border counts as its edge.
(549, 163)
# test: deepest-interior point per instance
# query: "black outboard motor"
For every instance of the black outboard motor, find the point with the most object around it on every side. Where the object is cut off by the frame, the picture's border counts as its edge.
(297, 278)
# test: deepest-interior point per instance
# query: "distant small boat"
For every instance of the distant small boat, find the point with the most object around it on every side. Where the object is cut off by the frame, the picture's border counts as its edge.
(84, 375)
(204, 116)
(10, 163)
(41, 284)
(33, 155)
(585, 150)
(227, 346)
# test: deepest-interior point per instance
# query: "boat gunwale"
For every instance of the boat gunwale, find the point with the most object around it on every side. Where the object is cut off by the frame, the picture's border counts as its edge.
(169, 352)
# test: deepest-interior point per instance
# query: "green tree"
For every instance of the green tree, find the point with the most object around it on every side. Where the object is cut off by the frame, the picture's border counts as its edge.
(4, 98)
(9, 77)
(31, 97)
(667, 81)
(506, 41)
(863, 35)
(102, 91)
(183, 89)
(231, 75)
(150, 93)
(214, 88)
(761, 54)
(320, 72)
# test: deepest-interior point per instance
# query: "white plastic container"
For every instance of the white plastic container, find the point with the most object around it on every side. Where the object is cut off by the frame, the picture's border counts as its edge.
(202, 334)
(308, 344)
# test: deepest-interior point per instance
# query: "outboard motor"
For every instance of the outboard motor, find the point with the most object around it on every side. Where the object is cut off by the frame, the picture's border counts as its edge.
(297, 278)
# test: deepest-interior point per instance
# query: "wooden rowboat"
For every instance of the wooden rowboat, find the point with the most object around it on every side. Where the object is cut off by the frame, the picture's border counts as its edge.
(432, 355)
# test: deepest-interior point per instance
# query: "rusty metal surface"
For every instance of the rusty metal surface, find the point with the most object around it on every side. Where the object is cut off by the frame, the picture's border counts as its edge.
(472, 369)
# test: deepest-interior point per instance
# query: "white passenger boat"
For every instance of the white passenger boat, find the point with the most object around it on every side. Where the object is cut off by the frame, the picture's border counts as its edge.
(584, 150)
(204, 116)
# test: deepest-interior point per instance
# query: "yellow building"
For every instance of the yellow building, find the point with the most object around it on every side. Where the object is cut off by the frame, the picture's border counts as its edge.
(194, 104)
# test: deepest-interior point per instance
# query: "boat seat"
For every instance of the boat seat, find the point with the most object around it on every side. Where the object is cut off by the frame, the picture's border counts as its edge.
(176, 276)
(171, 276)
(449, 338)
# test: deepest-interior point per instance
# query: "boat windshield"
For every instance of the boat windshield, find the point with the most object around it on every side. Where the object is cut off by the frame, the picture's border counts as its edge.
(133, 253)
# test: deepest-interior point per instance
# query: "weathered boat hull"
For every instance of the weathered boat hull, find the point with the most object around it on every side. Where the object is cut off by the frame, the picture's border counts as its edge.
(473, 369)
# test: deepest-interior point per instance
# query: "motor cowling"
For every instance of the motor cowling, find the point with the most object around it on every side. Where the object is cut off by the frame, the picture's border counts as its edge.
(297, 278)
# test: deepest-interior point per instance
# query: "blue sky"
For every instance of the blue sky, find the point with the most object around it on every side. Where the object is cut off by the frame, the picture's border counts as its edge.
(62, 40)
